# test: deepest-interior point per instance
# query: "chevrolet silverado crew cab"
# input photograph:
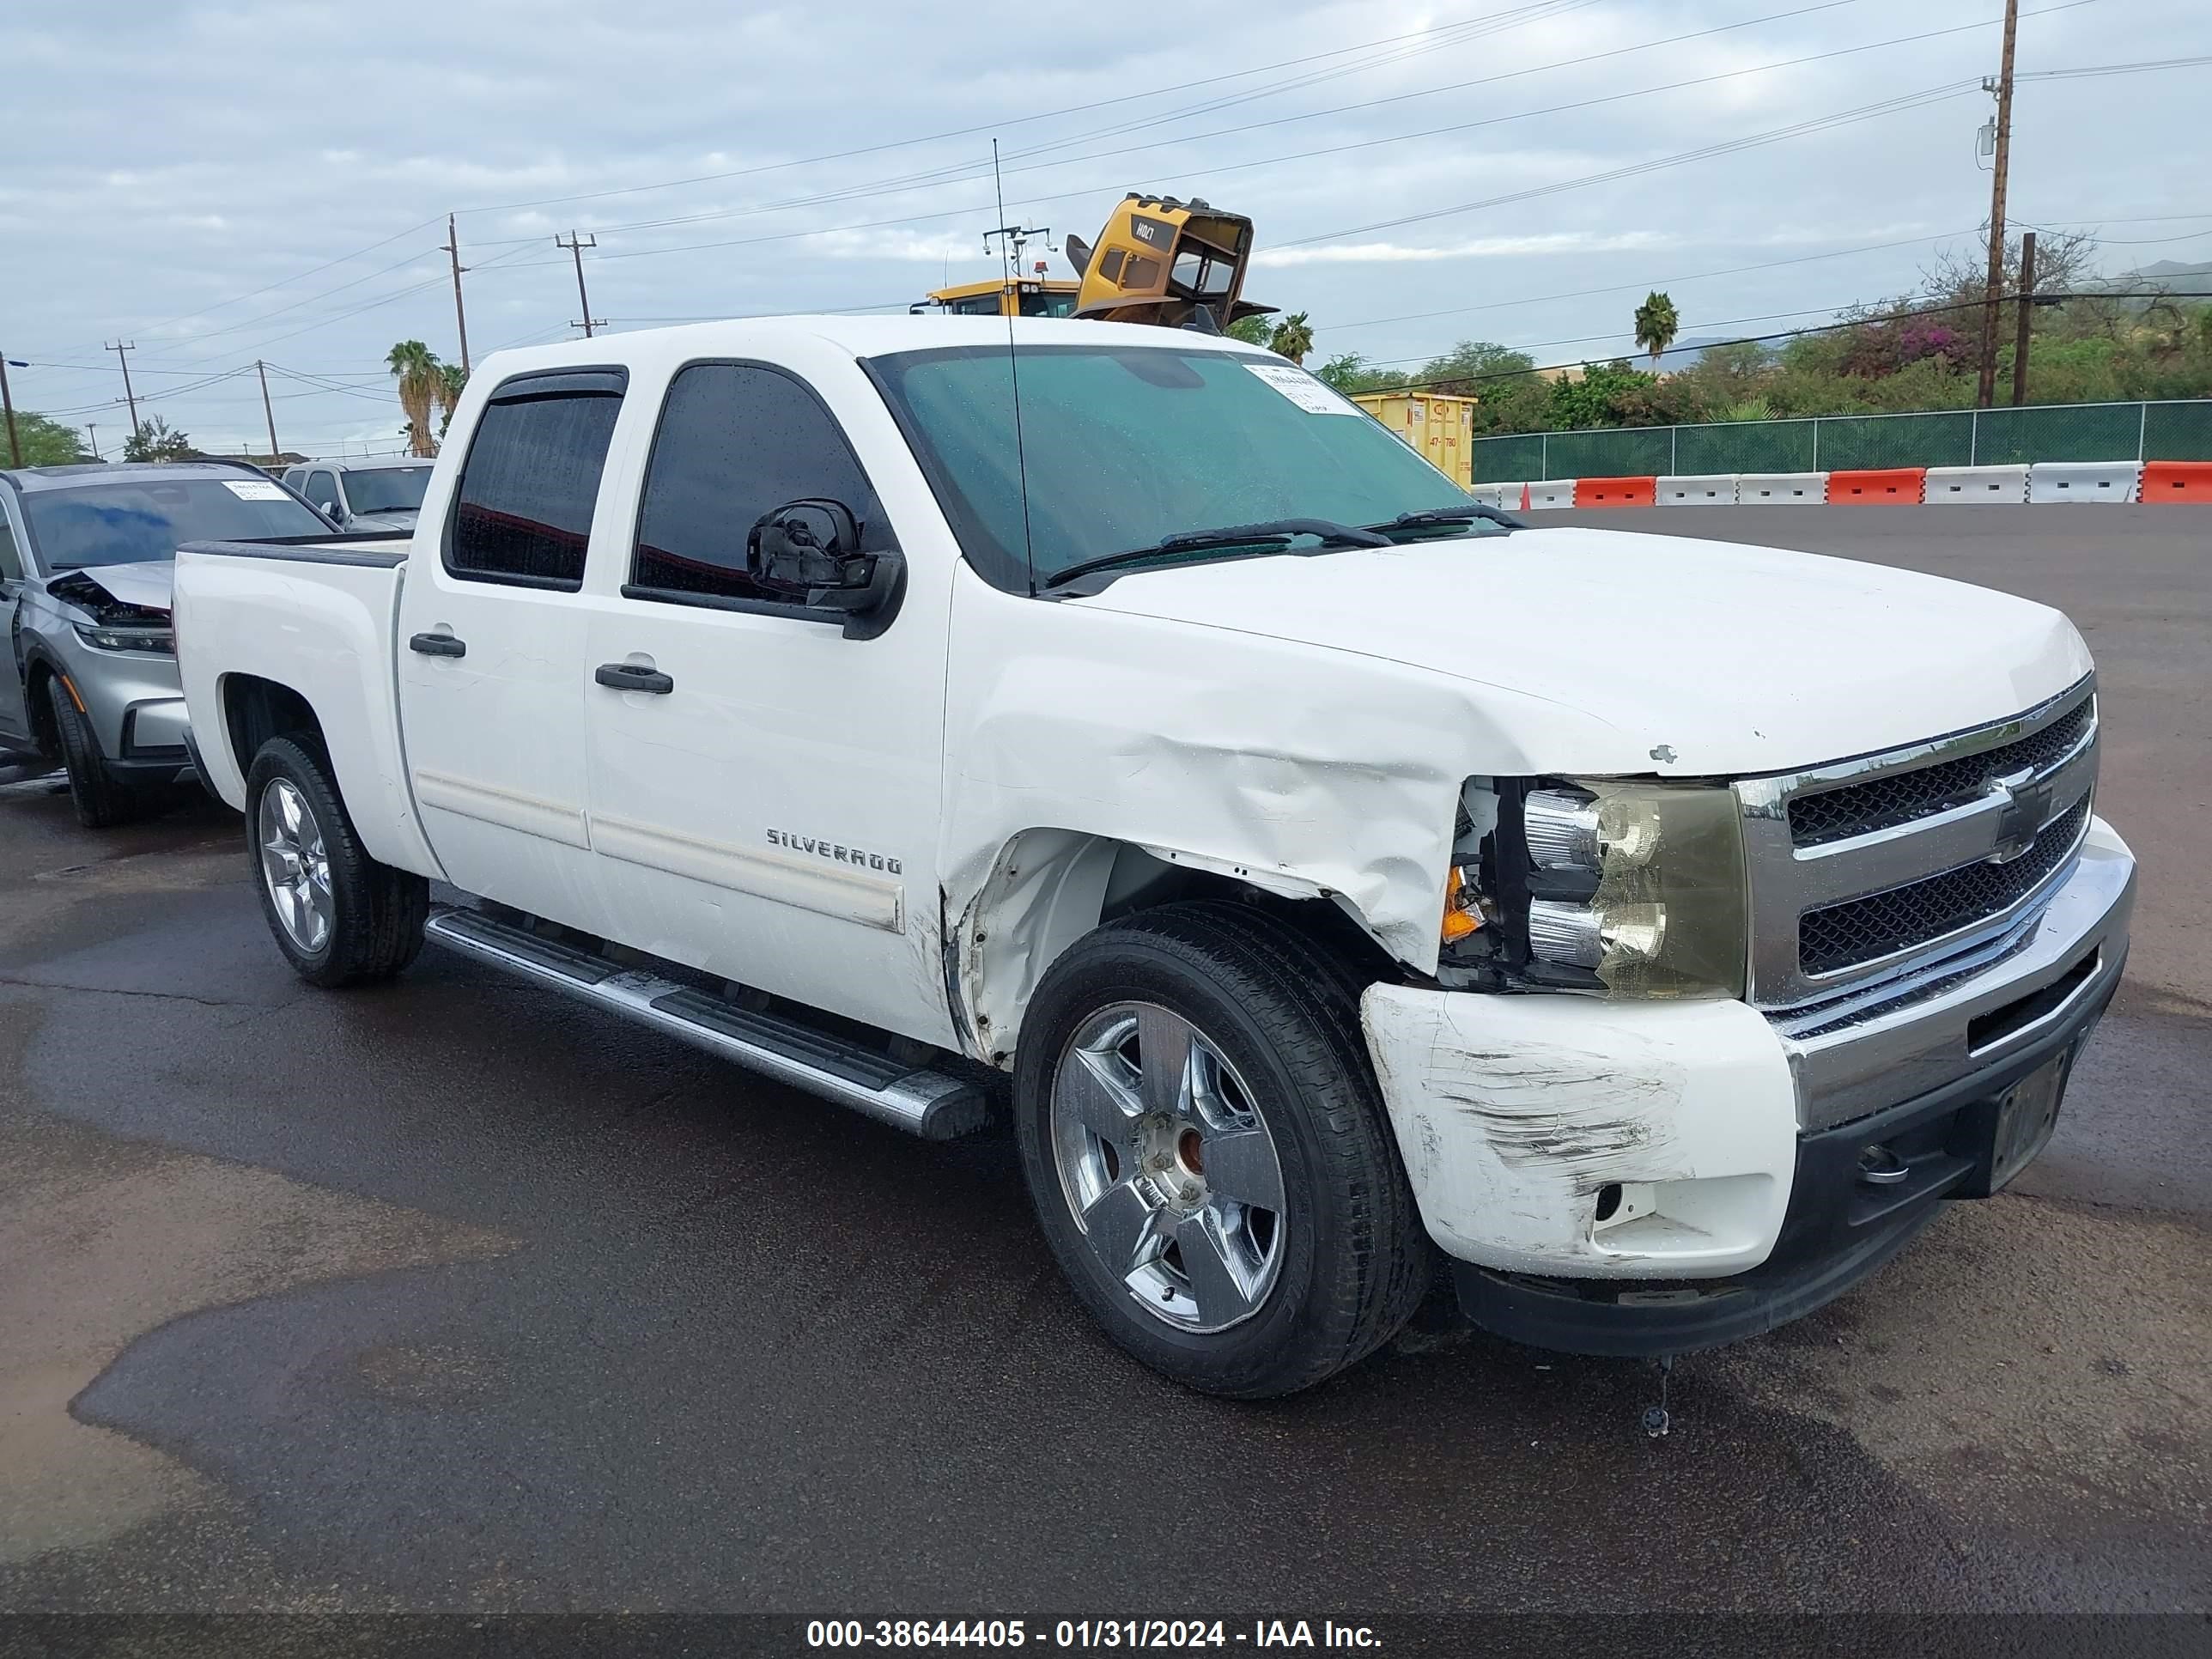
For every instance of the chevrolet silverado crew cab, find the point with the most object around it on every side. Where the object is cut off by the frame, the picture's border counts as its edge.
(1334, 880)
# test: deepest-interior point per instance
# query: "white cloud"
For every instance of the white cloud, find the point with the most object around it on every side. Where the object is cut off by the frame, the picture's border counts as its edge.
(311, 211)
(1480, 247)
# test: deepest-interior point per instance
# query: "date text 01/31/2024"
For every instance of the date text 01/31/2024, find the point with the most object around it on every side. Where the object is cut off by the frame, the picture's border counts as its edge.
(1164, 1633)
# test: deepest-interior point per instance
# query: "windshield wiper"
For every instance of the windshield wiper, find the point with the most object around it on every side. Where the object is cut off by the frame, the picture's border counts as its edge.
(1472, 511)
(1270, 532)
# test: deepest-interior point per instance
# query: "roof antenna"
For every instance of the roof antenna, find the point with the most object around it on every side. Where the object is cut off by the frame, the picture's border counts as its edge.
(1008, 251)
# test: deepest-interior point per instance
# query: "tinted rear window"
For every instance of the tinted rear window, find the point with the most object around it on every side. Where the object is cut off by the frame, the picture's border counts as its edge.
(523, 510)
(144, 520)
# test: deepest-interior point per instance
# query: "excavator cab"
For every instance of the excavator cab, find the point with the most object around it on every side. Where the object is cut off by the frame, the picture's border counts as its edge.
(1159, 260)
(1027, 296)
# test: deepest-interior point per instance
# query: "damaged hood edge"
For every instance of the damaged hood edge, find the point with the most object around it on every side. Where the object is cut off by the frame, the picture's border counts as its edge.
(1706, 657)
(150, 585)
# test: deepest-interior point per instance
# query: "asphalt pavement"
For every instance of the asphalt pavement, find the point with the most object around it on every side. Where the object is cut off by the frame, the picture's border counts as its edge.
(447, 1295)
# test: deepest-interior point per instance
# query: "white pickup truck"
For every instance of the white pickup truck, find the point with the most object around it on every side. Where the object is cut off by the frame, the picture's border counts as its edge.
(1336, 881)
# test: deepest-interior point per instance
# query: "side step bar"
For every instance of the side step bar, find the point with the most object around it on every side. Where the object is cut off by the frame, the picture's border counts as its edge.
(934, 1105)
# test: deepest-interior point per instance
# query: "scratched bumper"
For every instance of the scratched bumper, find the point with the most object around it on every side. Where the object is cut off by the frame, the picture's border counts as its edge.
(1515, 1115)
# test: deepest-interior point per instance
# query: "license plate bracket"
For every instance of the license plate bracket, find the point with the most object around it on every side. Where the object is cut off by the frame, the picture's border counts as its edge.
(2027, 1113)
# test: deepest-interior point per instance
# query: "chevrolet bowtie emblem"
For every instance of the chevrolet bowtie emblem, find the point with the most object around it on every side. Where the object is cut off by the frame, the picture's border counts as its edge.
(2027, 809)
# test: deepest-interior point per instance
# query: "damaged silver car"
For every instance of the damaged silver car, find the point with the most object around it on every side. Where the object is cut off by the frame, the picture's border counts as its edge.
(89, 682)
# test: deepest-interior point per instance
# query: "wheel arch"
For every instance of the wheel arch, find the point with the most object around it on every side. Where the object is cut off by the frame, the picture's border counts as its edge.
(1048, 888)
(39, 669)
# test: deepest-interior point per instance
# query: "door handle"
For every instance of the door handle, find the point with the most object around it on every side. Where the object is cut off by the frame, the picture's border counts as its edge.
(633, 676)
(438, 645)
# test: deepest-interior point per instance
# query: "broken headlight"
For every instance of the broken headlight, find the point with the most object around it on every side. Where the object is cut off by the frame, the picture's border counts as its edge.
(1638, 886)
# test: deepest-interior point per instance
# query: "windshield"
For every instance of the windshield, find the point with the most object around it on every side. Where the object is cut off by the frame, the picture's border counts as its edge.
(143, 520)
(1123, 447)
(386, 489)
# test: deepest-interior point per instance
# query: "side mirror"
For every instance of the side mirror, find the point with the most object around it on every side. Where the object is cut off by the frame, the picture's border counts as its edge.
(811, 550)
(328, 510)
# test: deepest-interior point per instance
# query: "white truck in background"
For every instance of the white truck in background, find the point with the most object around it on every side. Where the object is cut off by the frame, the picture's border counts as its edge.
(1335, 878)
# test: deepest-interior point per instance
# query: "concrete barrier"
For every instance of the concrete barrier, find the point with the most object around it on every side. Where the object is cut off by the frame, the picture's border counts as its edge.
(1552, 492)
(2083, 481)
(1955, 485)
(1699, 490)
(1793, 489)
(1493, 495)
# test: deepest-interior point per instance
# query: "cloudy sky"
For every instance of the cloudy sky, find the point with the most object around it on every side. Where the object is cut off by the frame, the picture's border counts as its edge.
(224, 183)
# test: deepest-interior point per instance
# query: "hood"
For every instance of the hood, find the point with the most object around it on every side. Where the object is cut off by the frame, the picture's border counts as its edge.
(401, 520)
(1710, 658)
(148, 585)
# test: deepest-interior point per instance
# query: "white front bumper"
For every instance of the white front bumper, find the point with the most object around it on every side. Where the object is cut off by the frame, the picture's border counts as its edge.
(1514, 1113)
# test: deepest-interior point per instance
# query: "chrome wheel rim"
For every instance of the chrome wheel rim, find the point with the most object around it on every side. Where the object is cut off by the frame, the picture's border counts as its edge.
(1168, 1168)
(294, 867)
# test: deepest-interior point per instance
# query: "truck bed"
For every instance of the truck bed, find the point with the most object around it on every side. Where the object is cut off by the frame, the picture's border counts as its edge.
(314, 617)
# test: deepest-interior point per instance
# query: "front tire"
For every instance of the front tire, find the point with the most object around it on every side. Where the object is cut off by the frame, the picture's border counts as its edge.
(1208, 1154)
(102, 800)
(339, 916)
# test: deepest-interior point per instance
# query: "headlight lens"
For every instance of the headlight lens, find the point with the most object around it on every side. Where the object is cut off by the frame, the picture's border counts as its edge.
(1667, 917)
(102, 636)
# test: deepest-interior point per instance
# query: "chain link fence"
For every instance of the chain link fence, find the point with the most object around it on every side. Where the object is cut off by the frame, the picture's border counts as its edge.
(2179, 431)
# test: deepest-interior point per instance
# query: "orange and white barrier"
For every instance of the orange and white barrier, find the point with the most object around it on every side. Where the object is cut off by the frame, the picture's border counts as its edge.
(2045, 482)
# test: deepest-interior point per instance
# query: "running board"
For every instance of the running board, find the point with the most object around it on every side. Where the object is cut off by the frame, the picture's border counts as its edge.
(931, 1104)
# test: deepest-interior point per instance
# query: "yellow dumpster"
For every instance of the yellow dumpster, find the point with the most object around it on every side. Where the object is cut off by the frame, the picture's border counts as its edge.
(1438, 427)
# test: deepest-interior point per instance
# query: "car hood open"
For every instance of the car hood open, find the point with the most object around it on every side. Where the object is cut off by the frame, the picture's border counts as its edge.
(1711, 658)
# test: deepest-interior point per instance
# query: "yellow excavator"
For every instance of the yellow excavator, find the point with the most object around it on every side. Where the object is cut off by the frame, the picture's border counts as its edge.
(1157, 260)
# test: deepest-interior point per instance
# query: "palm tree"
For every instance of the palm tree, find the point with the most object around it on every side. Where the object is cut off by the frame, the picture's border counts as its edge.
(1293, 338)
(452, 381)
(421, 384)
(1656, 324)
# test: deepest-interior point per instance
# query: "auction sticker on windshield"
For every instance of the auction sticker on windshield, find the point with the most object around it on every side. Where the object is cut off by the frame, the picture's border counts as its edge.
(1302, 389)
(249, 489)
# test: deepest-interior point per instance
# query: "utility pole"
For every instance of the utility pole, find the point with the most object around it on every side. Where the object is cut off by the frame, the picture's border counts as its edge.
(7, 401)
(1986, 393)
(276, 455)
(2026, 302)
(576, 246)
(460, 317)
(91, 431)
(129, 397)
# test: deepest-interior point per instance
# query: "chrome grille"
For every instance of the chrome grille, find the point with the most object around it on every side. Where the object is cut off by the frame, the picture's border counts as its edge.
(1858, 808)
(1873, 873)
(1843, 935)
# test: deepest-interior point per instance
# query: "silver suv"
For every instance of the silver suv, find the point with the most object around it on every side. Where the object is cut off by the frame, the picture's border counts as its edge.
(382, 494)
(88, 677)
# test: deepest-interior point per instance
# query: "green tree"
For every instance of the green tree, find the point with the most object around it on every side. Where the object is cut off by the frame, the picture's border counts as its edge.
(155, 439)
(1292, 337)
(1656, 324)
(452, 381)
(1252, 330)
(1348, 372)
(421, 383)
(48, 443)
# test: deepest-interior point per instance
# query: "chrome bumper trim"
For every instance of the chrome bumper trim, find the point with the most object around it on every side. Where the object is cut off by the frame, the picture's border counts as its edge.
(1911, 1040)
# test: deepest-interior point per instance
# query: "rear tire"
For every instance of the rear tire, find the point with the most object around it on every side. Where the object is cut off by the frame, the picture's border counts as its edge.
(1290, 1176)
(101, 798)
(339, 916)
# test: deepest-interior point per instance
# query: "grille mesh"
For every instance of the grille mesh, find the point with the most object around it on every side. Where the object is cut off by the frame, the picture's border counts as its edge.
(1881, 802)
(1860, 930)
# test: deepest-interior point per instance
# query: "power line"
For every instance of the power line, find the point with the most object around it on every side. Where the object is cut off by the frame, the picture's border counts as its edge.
(1817, 123)
(939, 178)
(996, 125)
